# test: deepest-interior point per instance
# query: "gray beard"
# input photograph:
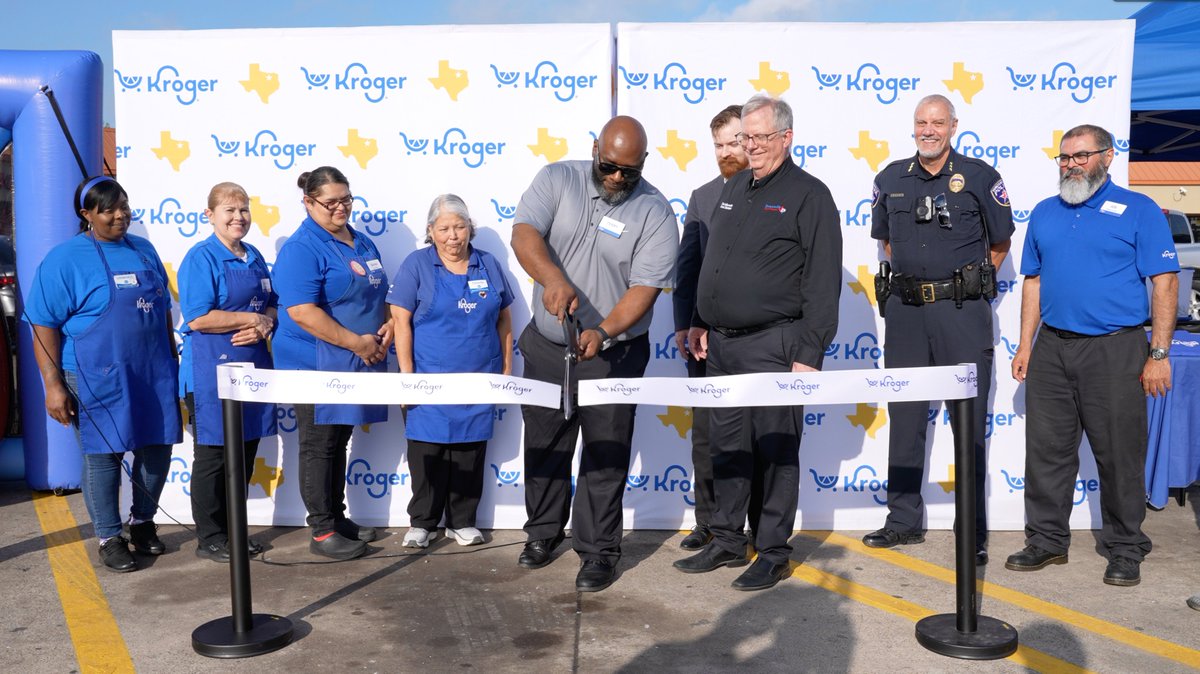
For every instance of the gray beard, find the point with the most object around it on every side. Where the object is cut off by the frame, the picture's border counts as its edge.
(611, 198)
(1076, 192)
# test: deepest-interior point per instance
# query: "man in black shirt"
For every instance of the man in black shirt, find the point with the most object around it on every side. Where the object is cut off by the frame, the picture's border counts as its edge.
(768, 289)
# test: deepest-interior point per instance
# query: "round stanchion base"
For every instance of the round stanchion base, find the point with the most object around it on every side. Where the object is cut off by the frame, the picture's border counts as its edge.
(992, 639)
(217, 638)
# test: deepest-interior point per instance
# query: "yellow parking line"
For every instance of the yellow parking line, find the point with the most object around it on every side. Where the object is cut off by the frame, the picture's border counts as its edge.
(1147, 643)
(1025, 656)
(99, 646)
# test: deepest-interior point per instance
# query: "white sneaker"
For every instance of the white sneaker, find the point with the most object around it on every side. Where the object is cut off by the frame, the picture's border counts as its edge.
(418, 537)
(465, 536)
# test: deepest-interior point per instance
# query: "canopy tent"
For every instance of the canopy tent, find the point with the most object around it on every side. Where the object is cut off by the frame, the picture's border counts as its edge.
(1165, 104)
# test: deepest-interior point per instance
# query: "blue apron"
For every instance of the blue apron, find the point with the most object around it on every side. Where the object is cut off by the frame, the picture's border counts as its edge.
(456, 333)
(126, 372)
(362, 309)
(248, 288)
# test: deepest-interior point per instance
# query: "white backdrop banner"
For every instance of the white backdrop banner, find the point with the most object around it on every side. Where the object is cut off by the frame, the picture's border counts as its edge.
(412, 112)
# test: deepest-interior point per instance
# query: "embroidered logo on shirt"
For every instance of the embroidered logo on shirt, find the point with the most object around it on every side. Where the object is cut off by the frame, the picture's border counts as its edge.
(466, 306)
(1169, 254)
(1000, 193)
(256, 304)
(145, 306)
(774, 208)
(726, 207)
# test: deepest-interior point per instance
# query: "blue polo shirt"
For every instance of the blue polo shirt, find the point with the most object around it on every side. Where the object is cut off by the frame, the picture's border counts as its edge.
(71, 290)
(309, 270)
(1094, 258)
(202, 288)
(414, 283)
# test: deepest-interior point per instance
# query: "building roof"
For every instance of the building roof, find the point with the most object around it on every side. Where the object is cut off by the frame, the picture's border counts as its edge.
(1164, 173)
(110, 152)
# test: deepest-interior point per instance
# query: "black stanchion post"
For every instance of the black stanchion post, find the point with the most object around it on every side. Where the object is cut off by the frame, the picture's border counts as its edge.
(243, 634)
(965, 634)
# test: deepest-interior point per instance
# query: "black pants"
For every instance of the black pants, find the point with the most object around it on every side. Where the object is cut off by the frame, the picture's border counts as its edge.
(755, 443)
(447, 478)
(1090, 385)
(604, 461)
(322, 469)
(934, 334)
(208, 484)
(702, 478)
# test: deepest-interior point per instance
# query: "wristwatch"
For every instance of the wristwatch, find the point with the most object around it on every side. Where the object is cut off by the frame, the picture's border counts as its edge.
(605, 340)
(1158, 354)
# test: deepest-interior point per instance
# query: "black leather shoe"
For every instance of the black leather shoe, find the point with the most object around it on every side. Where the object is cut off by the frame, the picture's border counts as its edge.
(1033, 558)
(253, 547)
(115, 555)
(1193, 602)
(890, 538)
(697, 539)
(1123, 571)
(213, 552)
(537, 554)
(336, 546)
(761, 575)
(144, 537)
(711, 558)
(981, 557)
(354, 531)
(594, 575)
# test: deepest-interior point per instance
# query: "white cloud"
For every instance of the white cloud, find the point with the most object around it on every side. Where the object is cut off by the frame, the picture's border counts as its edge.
(765, 10)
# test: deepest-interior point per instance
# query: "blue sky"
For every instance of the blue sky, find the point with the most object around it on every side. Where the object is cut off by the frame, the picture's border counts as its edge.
(87, 24)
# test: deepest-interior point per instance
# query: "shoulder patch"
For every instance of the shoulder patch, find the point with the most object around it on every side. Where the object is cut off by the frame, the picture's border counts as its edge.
(874, 194)
(1000, 193)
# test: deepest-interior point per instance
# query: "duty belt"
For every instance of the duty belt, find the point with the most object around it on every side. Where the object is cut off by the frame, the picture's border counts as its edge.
(930, 291)
(742, 332)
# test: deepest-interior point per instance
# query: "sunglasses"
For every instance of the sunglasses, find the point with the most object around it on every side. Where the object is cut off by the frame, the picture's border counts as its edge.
(943, 212)
(628, 172)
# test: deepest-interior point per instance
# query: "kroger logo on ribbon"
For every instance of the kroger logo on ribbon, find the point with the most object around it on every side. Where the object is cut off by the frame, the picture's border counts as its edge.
(510, 387)
(374, 221)
(265, 144)
(889, 382)
(356, 78)
(971, 378)
(619, 388)
(251, 383)
(797, 385)
(167, 80)
(454, 143)
(545, 75)
(867, 78)
(1063, 77)
(714, 392)
(339, 386)
(675, 77)
(423, 386)
(864, 480)
(674, 480)
(170, 212)
(376, 484)
(865, 347)
(968, 144)
(506, 477)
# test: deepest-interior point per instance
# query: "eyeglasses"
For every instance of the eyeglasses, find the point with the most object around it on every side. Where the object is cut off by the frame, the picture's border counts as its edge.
(332, 206)
(630, 173)
(943, 213)
(1080, 158)
(758, 138)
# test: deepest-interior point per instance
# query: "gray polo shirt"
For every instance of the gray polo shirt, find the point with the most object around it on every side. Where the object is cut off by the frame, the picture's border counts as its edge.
(603, 250)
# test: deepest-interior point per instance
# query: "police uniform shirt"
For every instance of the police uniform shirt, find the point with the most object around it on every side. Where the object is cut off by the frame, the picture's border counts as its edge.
(602, 249)
(774, 252)
(1093, 258)
(927, 250)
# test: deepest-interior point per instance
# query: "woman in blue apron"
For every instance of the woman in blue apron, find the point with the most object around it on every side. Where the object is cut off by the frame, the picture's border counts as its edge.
(104, 343)
(449, 304)
(332, 286)
(228, 310)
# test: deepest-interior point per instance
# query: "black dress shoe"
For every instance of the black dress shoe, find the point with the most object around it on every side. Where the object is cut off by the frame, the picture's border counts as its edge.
(144, 537)
(354, 531)
(1033, 558)
(711, 558)
(594, 575)
(697, 539)
(336, 546)
(1123, 571)
(981, 557)
(761, 575)
(216, 552)
(253, 547)
(115, 555)
(537, 554)
(890, 538)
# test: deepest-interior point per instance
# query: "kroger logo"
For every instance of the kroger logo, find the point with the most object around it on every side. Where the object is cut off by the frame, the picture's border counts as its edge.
(145, 306)
(709, 390)
(544, 75)
(355, 77)
(619, 388)
(968, 144)
(797, 385)
(285, 417)
(180, 473)
(1014, 483)
(265, 144)
(374, 221)
(970, 378)
(802, 153)
(166, 80)
(421, 386)
(674, 480)
(864, 480)
(170, 212)
(1062, 77)
(867, 78)
(511, 387)
(1191, 342)
(503, 212)
(1082, 487)
(666, 349)
(675, 77)
(991, 421)
(860, 217)
(376, 484)
(680, 207)
(888, 382)
(454, 143)
(337, 385)
(504, 477)
(865, 347)
(252, 384)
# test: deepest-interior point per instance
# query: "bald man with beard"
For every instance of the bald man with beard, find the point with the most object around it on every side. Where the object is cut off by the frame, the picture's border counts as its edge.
(600, 243)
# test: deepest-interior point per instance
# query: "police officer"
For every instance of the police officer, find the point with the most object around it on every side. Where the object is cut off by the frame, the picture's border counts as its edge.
(945, 223)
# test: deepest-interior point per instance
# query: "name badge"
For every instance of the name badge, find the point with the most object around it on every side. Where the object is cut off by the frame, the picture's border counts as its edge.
(477, 285)
(266, 285)
(125, 280)
(374, 265)
(613, 228)
(1112, 208)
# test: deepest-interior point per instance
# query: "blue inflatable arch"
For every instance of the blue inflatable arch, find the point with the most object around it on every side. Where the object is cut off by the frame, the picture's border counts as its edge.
(45, 175)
